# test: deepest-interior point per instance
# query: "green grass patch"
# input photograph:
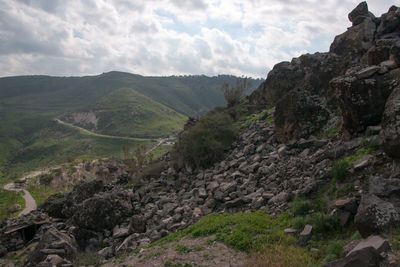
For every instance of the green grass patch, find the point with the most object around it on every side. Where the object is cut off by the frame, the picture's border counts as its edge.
(7, 200)
(300, 206)
(328, 134)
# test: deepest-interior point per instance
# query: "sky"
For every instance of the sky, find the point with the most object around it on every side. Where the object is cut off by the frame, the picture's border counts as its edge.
(162, 38)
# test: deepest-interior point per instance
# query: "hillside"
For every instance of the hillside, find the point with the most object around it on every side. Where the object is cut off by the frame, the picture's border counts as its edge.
(125, 105)
(303, 172)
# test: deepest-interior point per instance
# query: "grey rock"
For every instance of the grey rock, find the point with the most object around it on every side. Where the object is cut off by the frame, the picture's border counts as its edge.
(376, 242)
(374, 215)
(384, 187)
(367, 257)
(305, 235)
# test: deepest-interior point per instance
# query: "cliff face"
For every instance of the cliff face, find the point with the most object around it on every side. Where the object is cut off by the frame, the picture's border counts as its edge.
(352, 81)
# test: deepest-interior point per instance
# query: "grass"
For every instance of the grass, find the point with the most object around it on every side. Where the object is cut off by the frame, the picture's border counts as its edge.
(300, 206)
(41, 193)
(8, 199)
(266, 115)
(328, 134)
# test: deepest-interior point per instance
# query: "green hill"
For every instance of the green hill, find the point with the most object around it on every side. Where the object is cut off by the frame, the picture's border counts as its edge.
(126, 112)
(120, 104)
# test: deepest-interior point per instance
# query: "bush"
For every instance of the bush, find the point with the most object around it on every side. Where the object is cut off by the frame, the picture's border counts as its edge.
(205, 143)
(233, 94)
(339, 170)
(322, 223)
(300, 206)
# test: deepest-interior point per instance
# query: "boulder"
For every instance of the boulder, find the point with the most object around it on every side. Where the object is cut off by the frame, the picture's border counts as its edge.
(384, 187)
(358, 14)
(367, 257)
(391, 124)
(389, 23)
(53, 242)
(299, 114)
(361, 100)
(103, 211)
(376, 242)
(352, 44)
(137, 224)
(53, 206)
(80, 192)
(375, 215)
(305, 235)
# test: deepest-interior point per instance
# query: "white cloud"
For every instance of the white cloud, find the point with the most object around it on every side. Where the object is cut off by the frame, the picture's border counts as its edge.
(160, 37)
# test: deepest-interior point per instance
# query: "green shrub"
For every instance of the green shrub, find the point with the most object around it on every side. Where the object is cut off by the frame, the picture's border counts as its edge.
(339, 170)
(322, 223)
(300, 206)
(205, 143)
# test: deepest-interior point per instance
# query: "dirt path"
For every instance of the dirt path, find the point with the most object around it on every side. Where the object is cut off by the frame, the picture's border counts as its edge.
(30, 203)
(102, 135)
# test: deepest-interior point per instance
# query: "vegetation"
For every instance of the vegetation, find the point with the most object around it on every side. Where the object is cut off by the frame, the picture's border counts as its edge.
(300, 206)
(232, 94)
(205, 143)
(8, 199)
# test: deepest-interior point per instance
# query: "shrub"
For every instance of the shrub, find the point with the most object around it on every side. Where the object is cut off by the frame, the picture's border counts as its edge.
(205, 143)
(322, 223)
(233, 94)
(300, 206)
(339, 170)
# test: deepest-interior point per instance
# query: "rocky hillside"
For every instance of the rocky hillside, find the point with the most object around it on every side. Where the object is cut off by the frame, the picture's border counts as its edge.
(314, 183)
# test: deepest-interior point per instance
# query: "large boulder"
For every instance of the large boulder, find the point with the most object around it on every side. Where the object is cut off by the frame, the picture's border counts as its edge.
(81, 192)
(353, 43)
(358, 14)
(299, 114)
(375, 215)
(389, 25)
(391, 124)
(103, 211)
(54, 205)
(361, 97)
(53, 242)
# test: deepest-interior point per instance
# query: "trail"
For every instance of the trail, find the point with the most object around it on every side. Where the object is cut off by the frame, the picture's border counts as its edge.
(30, 203)
(103, 135)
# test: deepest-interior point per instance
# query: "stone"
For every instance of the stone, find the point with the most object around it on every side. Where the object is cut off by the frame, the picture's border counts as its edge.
(120, 232)
(375, 215)
(80, 193)
(290, 231)
(129, 244)
(281, 197)
(137, 224)
(374, 241)
(382, 187)
(54, 205)
(347, 204)
(363, 162)
(112, 208)
(53, 242)
(197, 213)
(305, 235)
(391, 124)
(235, 203)
(367, 257)
(14, 208)
(349, 247)
(344, 218)
(360, 11)
(367, 72)
(107, 252)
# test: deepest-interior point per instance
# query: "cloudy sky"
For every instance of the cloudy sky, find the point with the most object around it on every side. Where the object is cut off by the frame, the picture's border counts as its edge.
(160, 37)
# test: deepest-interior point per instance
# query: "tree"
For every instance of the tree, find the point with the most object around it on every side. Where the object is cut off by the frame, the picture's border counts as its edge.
(233, 94)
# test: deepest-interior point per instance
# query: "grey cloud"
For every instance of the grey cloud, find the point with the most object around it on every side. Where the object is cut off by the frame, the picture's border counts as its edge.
(190, 4)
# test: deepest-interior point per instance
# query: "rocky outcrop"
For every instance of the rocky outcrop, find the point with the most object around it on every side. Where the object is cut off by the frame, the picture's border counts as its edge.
(391, 128)
(53, 242)
(103, 211)
(361, 64)
(79, 194)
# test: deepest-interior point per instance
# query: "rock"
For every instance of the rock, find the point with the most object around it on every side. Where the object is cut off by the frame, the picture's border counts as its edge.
(280, 198)
(349, 247)
(54, 205)
(197, 213)
(384, 187)
(130, 243)
(120, 232)
(137, 224)
(376, 242)
(110, 207)
(360, 11)
(367, 72)
(375, 215)
(367, 257)
(307, 115)
(355, 42)
(344, 218)
(305, 235)
(52, 242)
(361, 102)
(14, 208)
(347, 204)
(106, 253)
(236, 203)
(55, 260)
(79, 194)
(290, 231)
(363, 162)
(391, 125)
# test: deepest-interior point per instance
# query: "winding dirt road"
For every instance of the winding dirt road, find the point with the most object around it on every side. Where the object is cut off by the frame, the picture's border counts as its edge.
(30, 203)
